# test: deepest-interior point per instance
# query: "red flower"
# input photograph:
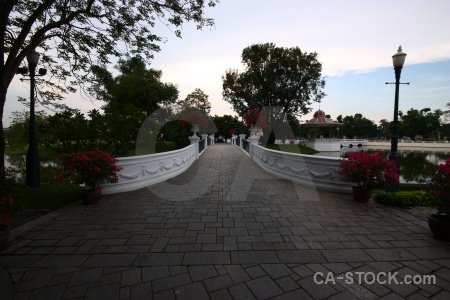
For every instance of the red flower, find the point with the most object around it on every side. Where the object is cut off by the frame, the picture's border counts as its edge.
(255, 117)
(91, 168)
(369, 170)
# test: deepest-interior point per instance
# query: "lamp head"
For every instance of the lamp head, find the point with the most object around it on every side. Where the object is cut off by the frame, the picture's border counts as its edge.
(398, 59)
(33, 58)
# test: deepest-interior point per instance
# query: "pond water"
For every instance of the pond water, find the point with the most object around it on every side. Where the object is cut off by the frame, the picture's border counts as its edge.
(48, 166)
(414, 164)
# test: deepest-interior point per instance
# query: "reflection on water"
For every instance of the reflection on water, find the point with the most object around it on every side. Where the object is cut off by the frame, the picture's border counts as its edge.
(414, 165)
(48, 166)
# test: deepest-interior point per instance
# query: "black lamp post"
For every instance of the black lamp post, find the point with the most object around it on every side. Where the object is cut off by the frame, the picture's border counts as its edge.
(398, 59)
(32, 161)
(32, 158)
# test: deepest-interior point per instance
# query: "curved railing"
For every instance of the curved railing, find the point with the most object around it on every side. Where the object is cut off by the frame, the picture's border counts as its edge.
(316, 171)
(144, 170)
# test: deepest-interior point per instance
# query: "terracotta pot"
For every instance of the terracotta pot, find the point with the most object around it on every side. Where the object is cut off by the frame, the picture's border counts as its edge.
(440, 227)
(90, 197)
(4, 235)
(361, 194)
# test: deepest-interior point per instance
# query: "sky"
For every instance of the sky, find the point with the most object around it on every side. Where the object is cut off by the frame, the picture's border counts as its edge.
(355, 41)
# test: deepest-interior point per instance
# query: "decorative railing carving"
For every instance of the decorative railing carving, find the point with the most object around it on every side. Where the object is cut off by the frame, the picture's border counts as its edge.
(316, 171)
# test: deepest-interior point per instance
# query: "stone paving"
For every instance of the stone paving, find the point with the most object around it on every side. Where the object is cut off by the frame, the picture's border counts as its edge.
(224, 229)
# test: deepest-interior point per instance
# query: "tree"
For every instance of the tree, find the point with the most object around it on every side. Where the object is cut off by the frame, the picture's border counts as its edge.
(136, 85)
(275, 76)
(73, 34)
(197, 99)
(357, 126)
(226, 123)
(423, 123)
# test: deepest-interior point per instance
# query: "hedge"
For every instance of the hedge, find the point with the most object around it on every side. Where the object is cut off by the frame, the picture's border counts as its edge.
(403, 198)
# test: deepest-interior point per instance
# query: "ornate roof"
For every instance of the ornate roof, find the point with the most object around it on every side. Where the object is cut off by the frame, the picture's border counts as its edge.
(319, 119)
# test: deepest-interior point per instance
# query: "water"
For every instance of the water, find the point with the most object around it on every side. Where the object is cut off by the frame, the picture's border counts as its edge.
(48, 166)
(415, 165)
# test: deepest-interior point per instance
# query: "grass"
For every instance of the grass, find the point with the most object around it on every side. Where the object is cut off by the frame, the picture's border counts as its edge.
(292, 149)
(43, 151)
(48, 196)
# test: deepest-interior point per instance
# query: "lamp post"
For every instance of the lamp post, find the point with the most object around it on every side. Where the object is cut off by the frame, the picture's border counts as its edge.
(32, 160)
(398, 59)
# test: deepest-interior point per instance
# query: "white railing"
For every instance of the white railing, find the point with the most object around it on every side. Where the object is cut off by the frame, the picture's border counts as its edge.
(145, 170)
(319, 172)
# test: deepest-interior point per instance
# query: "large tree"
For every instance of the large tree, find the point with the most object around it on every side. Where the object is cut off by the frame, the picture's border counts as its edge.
(197, 99)
(135, 85)
(275, 76)
(73, 34)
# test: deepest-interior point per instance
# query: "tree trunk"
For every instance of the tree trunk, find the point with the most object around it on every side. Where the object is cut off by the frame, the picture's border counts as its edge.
(2, 133)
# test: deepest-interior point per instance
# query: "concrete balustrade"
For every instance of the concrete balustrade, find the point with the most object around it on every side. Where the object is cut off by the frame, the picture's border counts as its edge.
(319, 172)
(145, 170)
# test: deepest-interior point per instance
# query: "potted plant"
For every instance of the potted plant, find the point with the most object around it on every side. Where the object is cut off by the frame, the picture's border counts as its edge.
(439, 193)
(367, 172)
(91, 168)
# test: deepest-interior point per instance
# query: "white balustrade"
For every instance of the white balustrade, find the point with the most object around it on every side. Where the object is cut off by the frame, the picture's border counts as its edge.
(315, 171)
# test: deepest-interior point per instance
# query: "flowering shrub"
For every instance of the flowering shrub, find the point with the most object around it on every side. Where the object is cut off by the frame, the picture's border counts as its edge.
(194, 117)
(232, 131)
(7, 207)
(8, 185)
(369, 170)
(90, 168)
(254, 116)
(439, 188)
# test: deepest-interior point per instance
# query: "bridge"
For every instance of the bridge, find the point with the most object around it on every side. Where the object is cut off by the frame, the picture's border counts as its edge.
(224, 228)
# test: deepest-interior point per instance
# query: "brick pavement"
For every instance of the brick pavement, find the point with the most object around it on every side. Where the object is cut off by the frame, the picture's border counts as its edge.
(243, 235)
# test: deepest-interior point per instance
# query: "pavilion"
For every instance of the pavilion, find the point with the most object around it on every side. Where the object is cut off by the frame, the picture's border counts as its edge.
(323, 144)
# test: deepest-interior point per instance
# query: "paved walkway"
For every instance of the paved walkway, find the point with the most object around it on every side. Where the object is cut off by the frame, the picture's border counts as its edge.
(249, 236)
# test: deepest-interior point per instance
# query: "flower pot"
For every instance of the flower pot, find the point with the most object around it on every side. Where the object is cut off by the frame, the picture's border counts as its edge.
(90, 197)
(4, 235)
(360, 194)
(440, 227)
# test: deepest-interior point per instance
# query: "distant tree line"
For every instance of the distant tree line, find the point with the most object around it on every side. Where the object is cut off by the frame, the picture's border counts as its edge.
(415, 124)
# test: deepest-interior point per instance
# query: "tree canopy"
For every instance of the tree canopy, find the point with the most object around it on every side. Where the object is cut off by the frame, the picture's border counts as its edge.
(275, 76)
(136, 85)
(72, 35)
(197, 99)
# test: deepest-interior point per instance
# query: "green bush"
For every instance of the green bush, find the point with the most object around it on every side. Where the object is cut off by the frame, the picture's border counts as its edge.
(403, 198)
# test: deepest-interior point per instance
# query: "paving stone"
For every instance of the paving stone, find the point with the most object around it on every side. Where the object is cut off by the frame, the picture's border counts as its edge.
(287, 284)
(85, 276)
(318, 290)
(193, 291)
(109, 260)
(152, 273)
(131, 277)
(206, 258)
(264, 287)
(346, 255)
(202, 272)
(241, 291)
(276, 270)
(237, 273)
(222, 294)
(111, 291)
(253, 257)
(158, 259)
(171, 282)
(300, 256)
(217, 283)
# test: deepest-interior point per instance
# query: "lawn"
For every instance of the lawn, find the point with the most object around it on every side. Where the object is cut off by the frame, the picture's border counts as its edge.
(300, 149)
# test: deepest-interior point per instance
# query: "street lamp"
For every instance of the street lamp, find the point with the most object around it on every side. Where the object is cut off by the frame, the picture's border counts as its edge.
(32, 158)
(398, 59)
